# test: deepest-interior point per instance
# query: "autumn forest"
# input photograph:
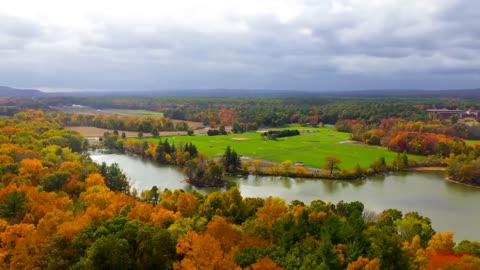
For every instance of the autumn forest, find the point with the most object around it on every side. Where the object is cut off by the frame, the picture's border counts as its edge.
(60, 210)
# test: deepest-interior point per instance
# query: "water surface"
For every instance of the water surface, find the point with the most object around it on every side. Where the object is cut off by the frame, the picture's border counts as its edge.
(450, 206)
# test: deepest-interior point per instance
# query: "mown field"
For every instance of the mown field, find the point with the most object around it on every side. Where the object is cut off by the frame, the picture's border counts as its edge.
(472, 142)
(137, 113)
(311, 147)
(98, 132)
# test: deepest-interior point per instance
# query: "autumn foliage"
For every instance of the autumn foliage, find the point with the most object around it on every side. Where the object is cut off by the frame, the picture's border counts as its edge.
(58, 210)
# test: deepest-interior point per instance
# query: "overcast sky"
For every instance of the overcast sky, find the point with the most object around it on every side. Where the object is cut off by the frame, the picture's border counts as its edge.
(319, 45)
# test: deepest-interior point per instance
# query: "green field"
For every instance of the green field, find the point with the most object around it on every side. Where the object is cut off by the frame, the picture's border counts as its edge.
(472, 142)
(137, 113)
(311, 147)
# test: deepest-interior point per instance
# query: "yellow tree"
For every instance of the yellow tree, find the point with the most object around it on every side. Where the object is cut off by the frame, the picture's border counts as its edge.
(203, 251)
(364, 264)
(287, 166)
(187, 204)
(265, 264)
(32, 169)
(272, 210)
(331, 163)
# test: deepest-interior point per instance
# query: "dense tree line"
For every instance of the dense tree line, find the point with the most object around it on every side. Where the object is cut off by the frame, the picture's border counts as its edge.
(275, 134)
(421, 138)
(258, 111)
(127, 123)
(261, 111)
(215, 132)
(9, 110)
(434, 139)
(198, 169)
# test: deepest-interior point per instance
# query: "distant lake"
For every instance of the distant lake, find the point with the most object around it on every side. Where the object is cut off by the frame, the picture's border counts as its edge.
(451, 207)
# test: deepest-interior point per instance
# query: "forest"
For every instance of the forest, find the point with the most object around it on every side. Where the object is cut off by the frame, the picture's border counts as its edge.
(60, 210)
(260, 111)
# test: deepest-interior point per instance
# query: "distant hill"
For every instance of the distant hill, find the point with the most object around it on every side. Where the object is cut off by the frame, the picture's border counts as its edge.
(6, 91)
(452, 93)
(377, 93)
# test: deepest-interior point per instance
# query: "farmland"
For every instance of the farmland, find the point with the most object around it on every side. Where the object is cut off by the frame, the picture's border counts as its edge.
(119, 112)
(310, 147)
(137, 113)
(98, 132)
(472, 142)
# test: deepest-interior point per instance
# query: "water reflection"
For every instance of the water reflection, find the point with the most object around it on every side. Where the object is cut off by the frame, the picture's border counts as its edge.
(450, 206)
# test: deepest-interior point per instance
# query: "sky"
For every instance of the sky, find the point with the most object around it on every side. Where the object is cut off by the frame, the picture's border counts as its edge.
(313, 45)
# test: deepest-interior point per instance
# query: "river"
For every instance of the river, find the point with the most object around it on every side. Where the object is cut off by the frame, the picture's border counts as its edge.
(450, 206)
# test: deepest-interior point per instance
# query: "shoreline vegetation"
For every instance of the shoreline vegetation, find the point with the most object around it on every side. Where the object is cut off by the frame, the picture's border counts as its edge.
(201, 171)
(287, 169)
(461, 183)
(427, 168)
(437, 141)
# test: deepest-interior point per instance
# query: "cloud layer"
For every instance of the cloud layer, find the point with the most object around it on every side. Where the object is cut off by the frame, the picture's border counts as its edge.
(303, 45)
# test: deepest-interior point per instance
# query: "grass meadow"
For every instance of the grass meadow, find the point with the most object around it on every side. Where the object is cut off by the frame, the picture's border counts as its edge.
(310, 147)
(136, 113)
(472, 142)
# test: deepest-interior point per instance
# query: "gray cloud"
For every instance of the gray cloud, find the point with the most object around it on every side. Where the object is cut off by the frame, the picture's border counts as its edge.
(15, 33)
(330, 45)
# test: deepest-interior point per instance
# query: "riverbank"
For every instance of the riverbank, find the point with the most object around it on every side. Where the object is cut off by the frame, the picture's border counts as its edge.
(461, 183)
(427, 169)
(252, 166)
(450, 207)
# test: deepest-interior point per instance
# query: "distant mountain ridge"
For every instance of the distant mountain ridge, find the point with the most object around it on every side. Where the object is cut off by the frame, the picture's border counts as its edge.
(6, 91)
(454, 93)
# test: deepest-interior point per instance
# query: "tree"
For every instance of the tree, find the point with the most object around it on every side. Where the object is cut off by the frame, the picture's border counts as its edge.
(287, 166)
(14, 205)
(203, 251)
(257, 165)
(231, 160)
(470, 247)
(54, 181)
(379, 165)
(331, 164)
(115, 179)
(265, 264)
(400, 162)
(155, 132)
(156, 248)
(187, 204)
(152, 196)
(222, 130)
(272, 210)
(414, 224)
(109, 252)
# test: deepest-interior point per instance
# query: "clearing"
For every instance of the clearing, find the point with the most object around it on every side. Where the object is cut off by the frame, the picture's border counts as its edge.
(310, 147)
(98, 132)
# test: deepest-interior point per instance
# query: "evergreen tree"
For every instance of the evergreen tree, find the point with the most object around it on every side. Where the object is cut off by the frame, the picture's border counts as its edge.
(14, 205)
(231, 160)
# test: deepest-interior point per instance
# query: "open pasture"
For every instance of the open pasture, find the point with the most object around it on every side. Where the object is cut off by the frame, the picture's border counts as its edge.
(310, 147)
(136, 113)
(472, 142)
